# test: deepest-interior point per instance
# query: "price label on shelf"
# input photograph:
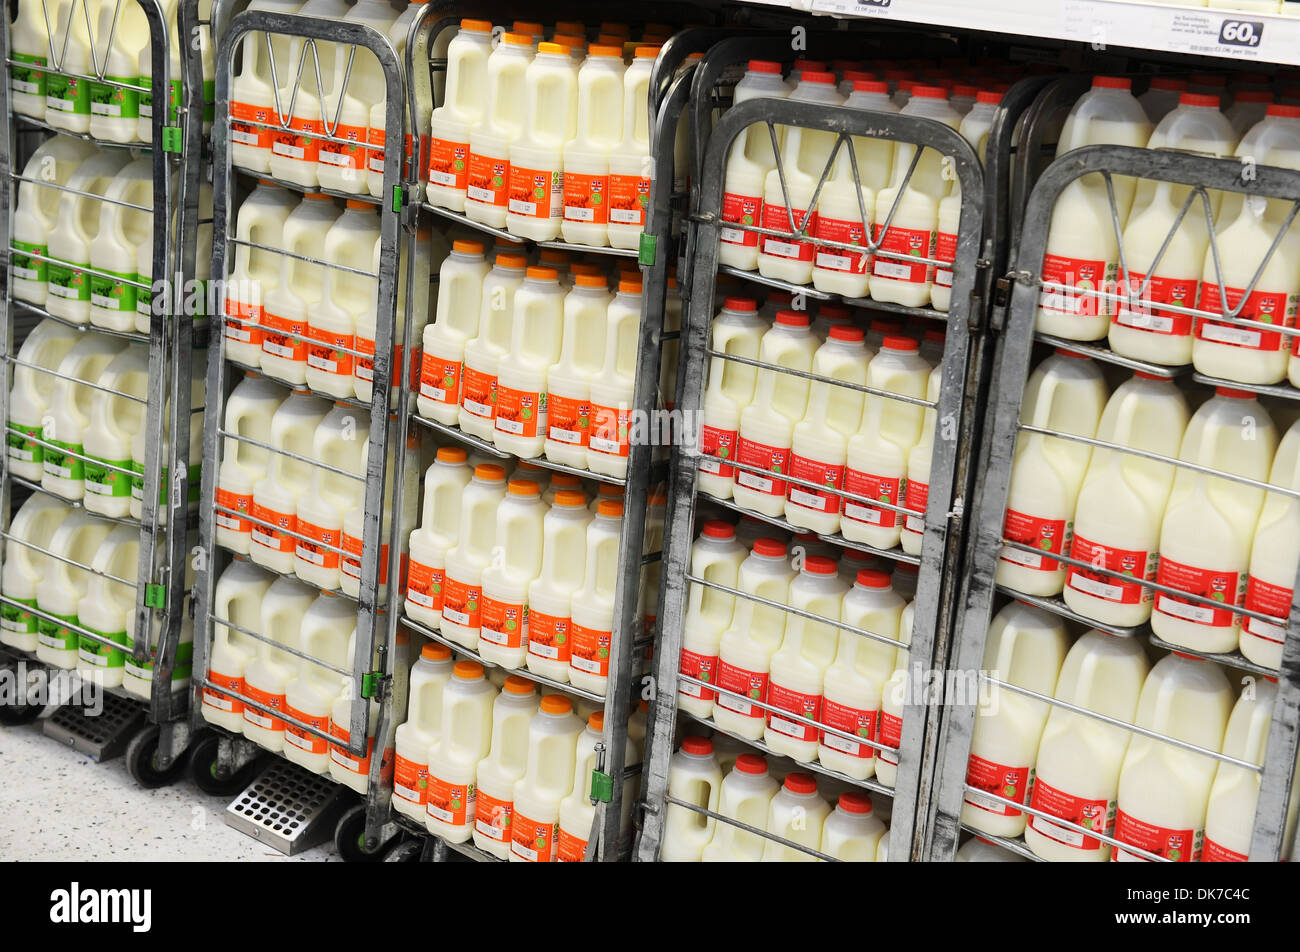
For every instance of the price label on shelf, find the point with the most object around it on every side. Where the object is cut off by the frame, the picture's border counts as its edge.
(863, 8)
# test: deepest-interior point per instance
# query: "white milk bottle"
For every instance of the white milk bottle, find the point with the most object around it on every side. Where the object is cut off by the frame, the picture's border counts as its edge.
(24, 567)
(577, 814)
(256, 272)
(37, 208)
(745, 795)
(695, 777)
(799, 665)
(537, 324)
(420, 731)
(916, 491)
(804, 156)
(1164, 790)
(75, 228)
(592, 631)
(269, 670)
(69, 415)
(202, 43)
(629, 163)
(746, 647)
(120, 34)
(852, 833)
(516, 563)
(464, 736)
(1025, 647)
(797, 814)
(907, 211)
(609, 439)
(29, 398)
(463, 105)
(275, 495)
(106, 606)
(738, 330)
(332, 320)
(1083, 244)
(67, 99)
(460, 296)
(1077, 770)
(748, 163)
(716, 557)
(254, 107)
(237, 600)
(124, 233)
(878, 451)
(306, 87)
(975, 127)
(484, 351)
(537, 151)
(327, 627)
(487, 189)
(855, 680)
(249, 411)
(1205, 539)
(290, 304)
(462, 587)
(512, 711)
(329, 496)
(582, 355)
(599, 130)
(1122, 502)
(444, 485)
(114, 421)
(548, 778)
(819, 449)
(563, 568)
(29, 42)
(1065, 393)
(61, 589)
(1195, 126)
(345, 767)
(398, 34)
(1161, 97)
(1274, 556)
(767, 424)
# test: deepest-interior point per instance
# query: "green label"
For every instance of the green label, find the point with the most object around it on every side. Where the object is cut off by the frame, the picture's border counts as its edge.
(62, 464)
(21, 445)
(68, 282)
(102, 481)
(67, 94)
(113, 293)
(55, 634)
(115, 102)
(16, 618)
(26, 267)
(101, 656)
(24, 79)
(193, 483)
(181, 668)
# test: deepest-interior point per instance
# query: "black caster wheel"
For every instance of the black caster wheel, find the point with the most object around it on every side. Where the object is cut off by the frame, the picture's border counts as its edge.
(142, 761)
(350, 837)
(208, 777)
(404, 851)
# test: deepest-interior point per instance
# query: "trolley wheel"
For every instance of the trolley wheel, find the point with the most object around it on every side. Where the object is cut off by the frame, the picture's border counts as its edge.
(406, 850)
(206, 774)
(142, 761)
(350, 837)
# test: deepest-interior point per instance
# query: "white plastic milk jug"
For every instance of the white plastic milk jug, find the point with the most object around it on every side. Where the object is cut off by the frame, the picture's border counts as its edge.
(31, 393)
(548, 778)
(327, 628)
(1274, 556)
(24, 567)
(512, 712)
(420, 731)
(737, 330)
(275, 496)
(462, 587)
(516, 563)
(444, 484)
(463, 105)
(464, 736)
(745, 795)
(460, 291)
(487, 190)
(694, 776)
(238, 601)
(550, 595)
(748, 163)
(716, 557)
(249, 410)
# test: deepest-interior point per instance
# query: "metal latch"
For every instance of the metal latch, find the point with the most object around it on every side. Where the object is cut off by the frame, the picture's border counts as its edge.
(602, 786)
(155, 596)
(1002, 292)
(172, 138)
(648, 250)
(370, 684)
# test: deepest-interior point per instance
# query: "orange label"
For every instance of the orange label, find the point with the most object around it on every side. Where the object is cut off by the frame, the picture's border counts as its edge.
(610, 430)
(448, 163)
(224, 702)
(323, 352)
(320, 551)
(629, 197)
(259, 137)
(589, 650)
(270, 537)
(340, 755)
(567, 420)
(492, 817)
(345, 155)
(489, 180)
(440, 379)
(520, 412)
(452, 803)
(586, 198)
(351, 564)
(365, 367)
(375, 159)
(532, 841)
(548, 636)
(461, 603)
(479, 393)
(535, 193)
(410, 780)
(424, 586)
(259, 719)
(571, 849)
(299, 737)
(236, 502)
(284, 338)
(243, 322)
(503, 623)
(290, 145)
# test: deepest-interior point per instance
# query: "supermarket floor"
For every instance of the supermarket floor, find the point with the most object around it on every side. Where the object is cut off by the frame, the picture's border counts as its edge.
(61, 805)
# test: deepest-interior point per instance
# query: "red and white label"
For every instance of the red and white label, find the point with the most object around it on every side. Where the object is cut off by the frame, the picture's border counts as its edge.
(366, 364)
(244, 133)
(586, 198)
(610, 430)
(1051, 536)
(702, 668)
(274, 536)
(1000, 780)
(752, 684)
(289, 144)
(533, 841)
(219, 701)
(451, 803)
(589, 650)
(320, 551)
(884, 488)
(815, 471)
(261, 719)
(548, 636)
(793, 702)
(424, 586)
(1178, 846)
(244, 322)
(520, 412)
(1145, 314)
(502, 622)
(568, 420)
(572, 849)
(328, 351)
(840, 259)
(1117, 564)
(772, 459)
(1214, 853)
(1268, 600)
(720, 443)
(910, 243)
(777, 218)
(1079, 276)
(1097, 815)
(1266, 307)
(851, 720)
(410, 781)
(535, 193)
(629, 197)
(284, 338)
(440, 379)
(916, 496)
(236, 502)
(489, 180)
(346, 155)
(743, 210)
(309, 743)
(891, 736)
(340, 755)
(478, 393)
(449, 164)
(351, 563)
(945, 250)
(1225, 587)
(377, 139)
(462, 604)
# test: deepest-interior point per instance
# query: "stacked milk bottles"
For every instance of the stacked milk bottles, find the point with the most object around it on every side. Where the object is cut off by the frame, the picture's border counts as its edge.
(609, 440)
(68, 419)
(629, 162)
(250, 409)
(255, 99)
(750, 160)
(275, 496)
(512, 712)
(547, 780)
(304, 96)
(36, 211)
(591, 636)
(332, 321)
(420, 731)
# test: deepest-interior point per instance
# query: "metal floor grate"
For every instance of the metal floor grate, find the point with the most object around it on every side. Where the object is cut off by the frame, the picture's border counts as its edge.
(287, 808)
(102, 736)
